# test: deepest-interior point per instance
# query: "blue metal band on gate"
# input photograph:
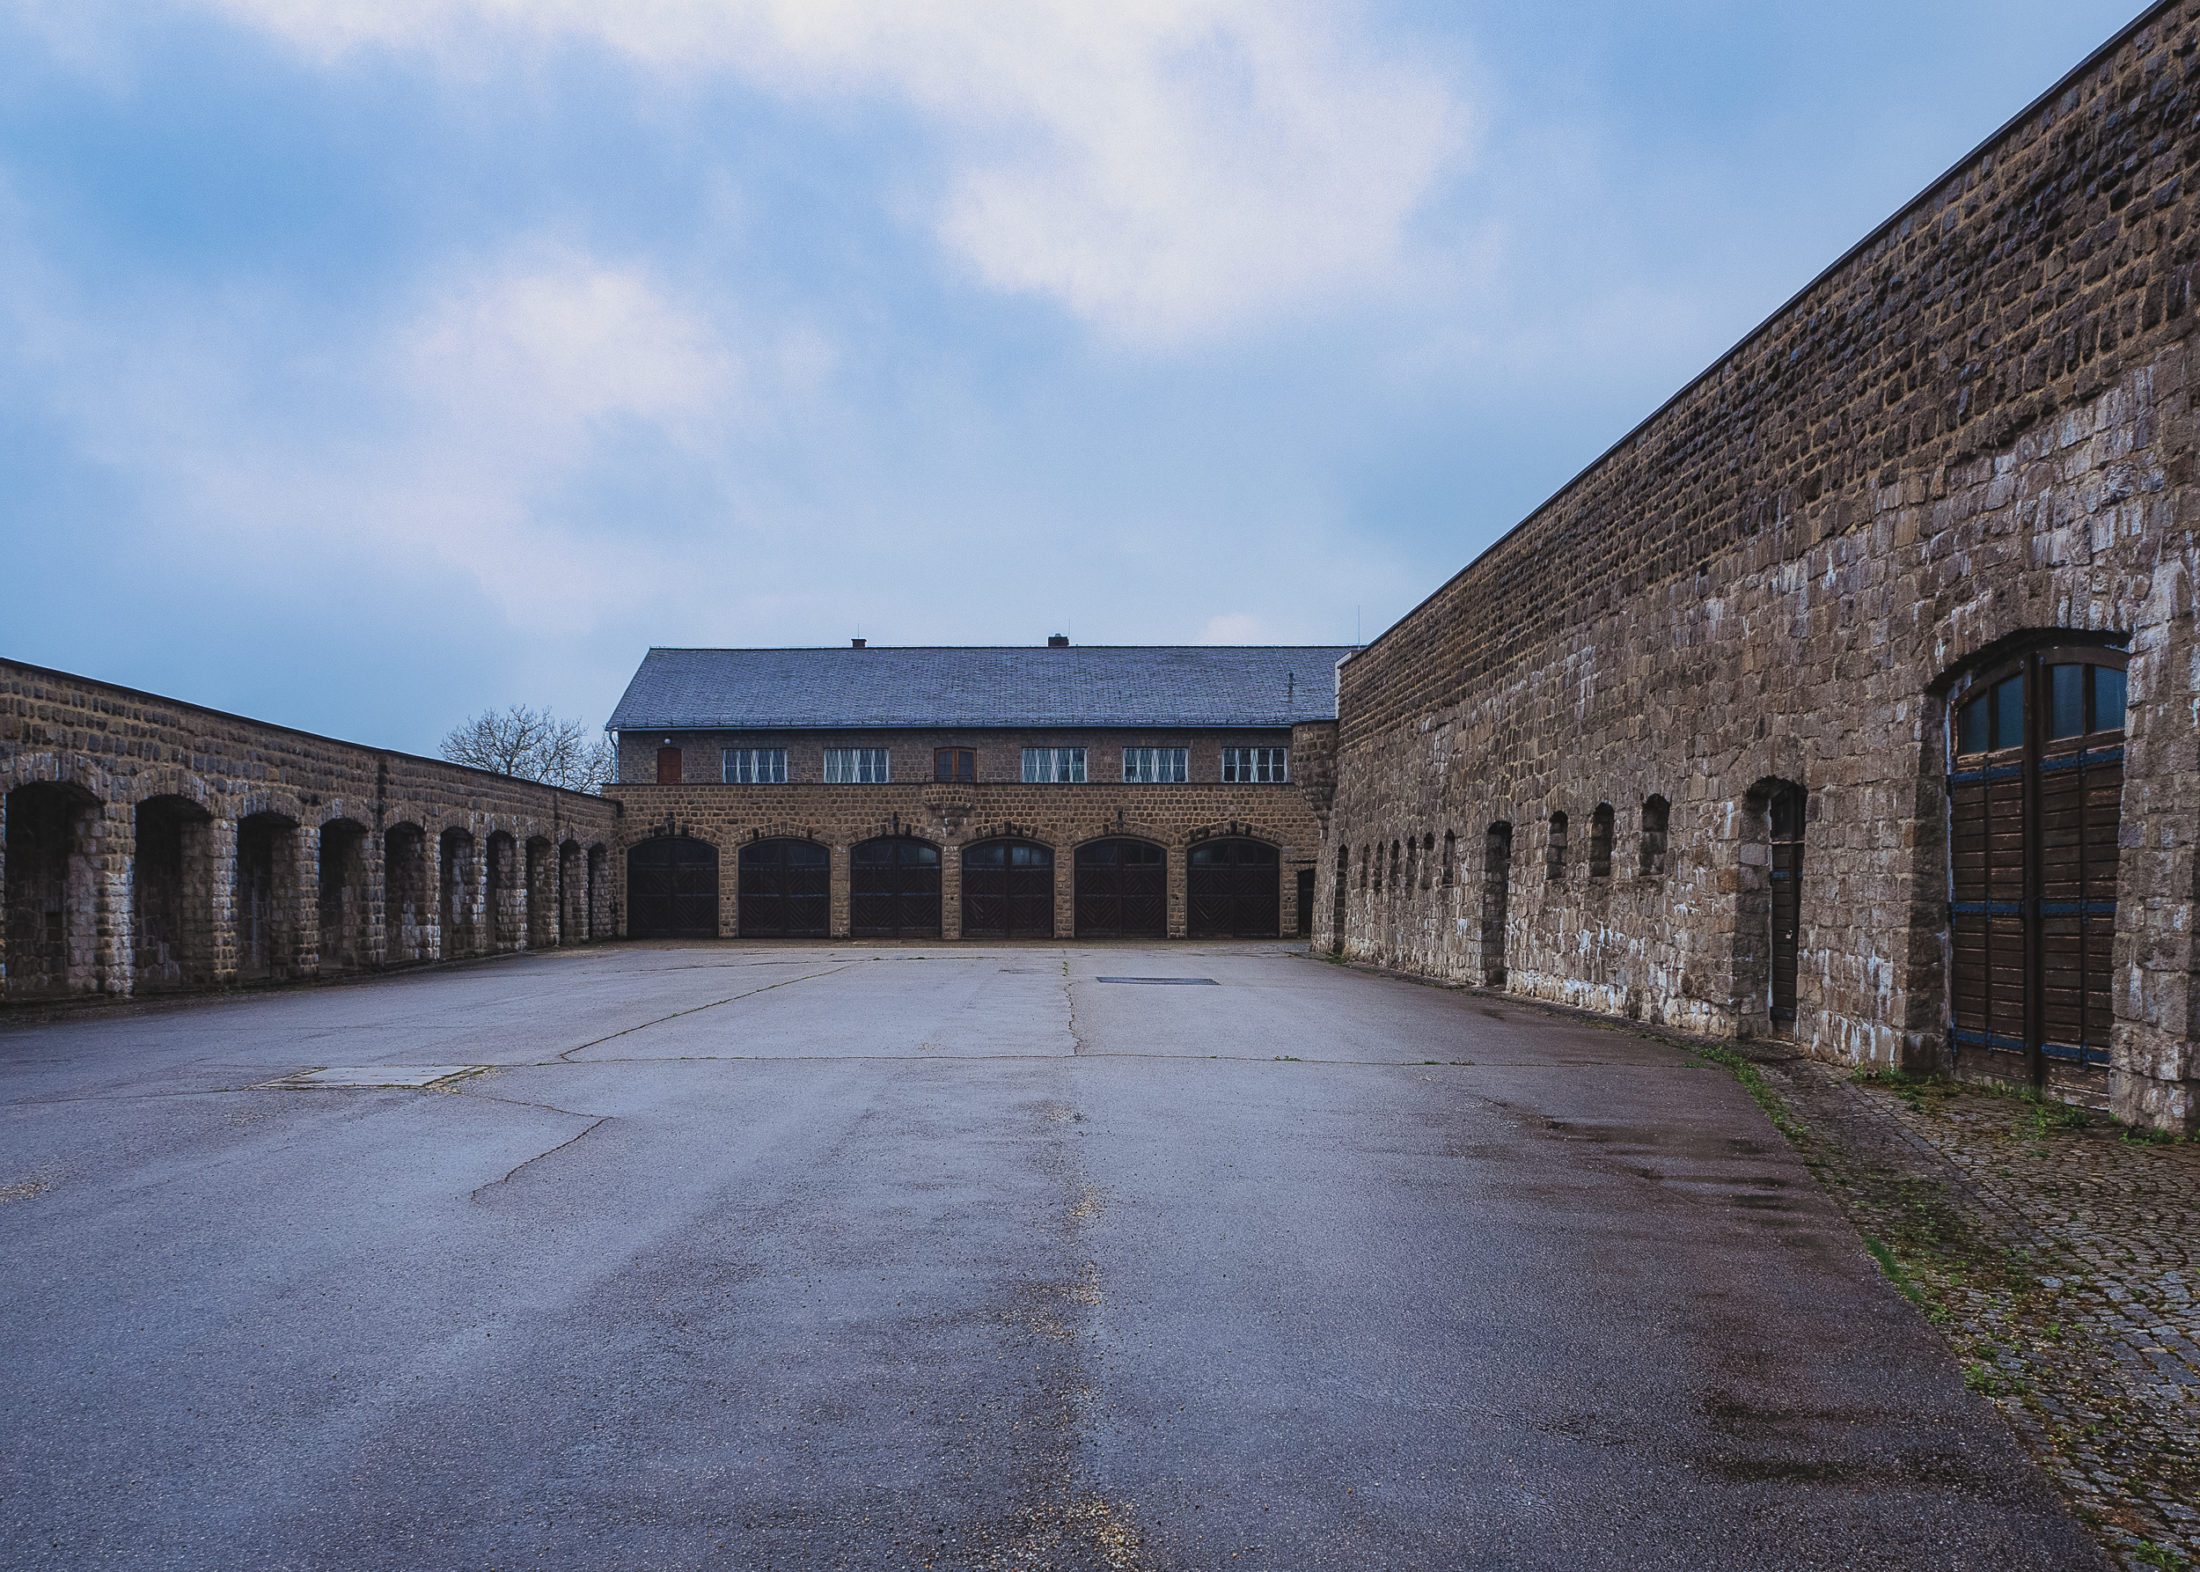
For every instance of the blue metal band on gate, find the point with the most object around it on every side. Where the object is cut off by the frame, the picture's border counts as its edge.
(2070, 1053)
(2077, 908)
(1986, 908)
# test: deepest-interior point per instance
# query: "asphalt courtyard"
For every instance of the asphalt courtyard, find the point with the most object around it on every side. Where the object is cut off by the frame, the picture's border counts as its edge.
(967, 1257)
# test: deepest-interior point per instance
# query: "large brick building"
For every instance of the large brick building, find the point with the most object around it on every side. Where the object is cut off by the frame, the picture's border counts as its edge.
(1115, 792)
(1851, 697)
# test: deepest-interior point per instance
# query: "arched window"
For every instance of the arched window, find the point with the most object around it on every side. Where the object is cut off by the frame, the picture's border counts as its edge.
(1393, 867)
(1451, 858)
(1377, 861)
(1656, 811)
(1554, 849)
(1413, 852)
(1428, 859)
(1600, 842)
(2035, 794)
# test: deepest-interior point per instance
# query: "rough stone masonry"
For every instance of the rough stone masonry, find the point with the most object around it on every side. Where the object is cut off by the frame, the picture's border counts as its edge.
(1962, 458)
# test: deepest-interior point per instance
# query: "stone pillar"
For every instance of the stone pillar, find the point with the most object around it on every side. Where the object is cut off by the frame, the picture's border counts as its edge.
(109, 852)
(840, 892)
(304, 959)
(951, 888)
(1179, 868)
(221, 857)
(374, 892)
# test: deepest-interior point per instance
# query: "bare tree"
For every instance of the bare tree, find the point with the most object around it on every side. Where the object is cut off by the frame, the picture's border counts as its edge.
(534, 745)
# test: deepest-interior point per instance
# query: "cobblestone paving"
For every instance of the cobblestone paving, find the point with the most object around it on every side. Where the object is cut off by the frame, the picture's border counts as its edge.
(2057, 1253)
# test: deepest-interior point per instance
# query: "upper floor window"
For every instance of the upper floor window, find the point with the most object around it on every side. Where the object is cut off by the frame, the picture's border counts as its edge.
(1054, 766)
(1142, 765)
(1256, 766)
(857, 767)
(669, 765)
(954, 764)
(754, 766)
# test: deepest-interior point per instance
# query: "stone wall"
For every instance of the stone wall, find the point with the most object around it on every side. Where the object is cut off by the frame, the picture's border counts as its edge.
(1061, 817)
(152, 845)
(1975, 427)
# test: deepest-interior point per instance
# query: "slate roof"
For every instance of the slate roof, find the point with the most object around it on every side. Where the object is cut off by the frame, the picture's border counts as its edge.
(1158, 685)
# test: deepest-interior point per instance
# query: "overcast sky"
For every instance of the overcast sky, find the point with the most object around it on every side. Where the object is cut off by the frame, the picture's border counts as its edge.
(366, 364)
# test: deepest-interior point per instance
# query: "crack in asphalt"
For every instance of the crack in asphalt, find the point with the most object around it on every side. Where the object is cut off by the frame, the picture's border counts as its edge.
(696, 1009)
(513, 1172)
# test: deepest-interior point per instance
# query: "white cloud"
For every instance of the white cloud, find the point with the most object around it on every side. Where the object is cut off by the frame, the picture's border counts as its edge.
(456, 440)
(1163, 168)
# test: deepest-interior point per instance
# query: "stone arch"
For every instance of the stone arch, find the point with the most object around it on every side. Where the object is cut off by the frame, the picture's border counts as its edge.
(50, 879)
(1497, 857)
(269, 894)
(504, 890)
(1764, 961)
(541, 893)
(172, 895)
(1657, 818)
(572, 892)
(410, 929)
(458, 891)
(1602, 822)
(345, 902)
(603, 918)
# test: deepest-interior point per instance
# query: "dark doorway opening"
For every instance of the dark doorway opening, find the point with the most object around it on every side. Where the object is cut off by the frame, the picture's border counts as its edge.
(174, 895)
(1122, 890)
(344, 914)
(408, 902)
(894, 889)
(1305, 919)
(672, 889)
(1233, 890)
(1008, 890)
(786, 890)
(50, 890)
(267, 897)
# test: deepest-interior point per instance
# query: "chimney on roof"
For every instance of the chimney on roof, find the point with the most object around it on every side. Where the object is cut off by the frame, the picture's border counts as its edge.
(1057, 641)
(855, 644)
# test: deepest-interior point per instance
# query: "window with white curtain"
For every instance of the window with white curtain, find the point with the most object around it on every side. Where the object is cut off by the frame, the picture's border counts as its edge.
(856, 766)
(1146, 765)
(1256, 766)
(1054, 766)
(755, 766)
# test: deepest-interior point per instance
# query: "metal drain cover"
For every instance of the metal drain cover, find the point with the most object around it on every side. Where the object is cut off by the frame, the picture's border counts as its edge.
(1165, 982)
(405, 1076)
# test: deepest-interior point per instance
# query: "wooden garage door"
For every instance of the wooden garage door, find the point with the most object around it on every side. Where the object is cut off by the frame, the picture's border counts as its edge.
(2035, 790)
(1008, 890)
(672, 889)
(894, 889)
(1122, 890)
(1232, 890)
(786, 890)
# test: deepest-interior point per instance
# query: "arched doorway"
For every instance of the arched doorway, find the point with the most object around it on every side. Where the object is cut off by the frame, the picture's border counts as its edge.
(894, 889)
(2035, 800)
(786, 890)
(173, 895)
(1497, 857)
(1122, 890)
(672, 889)
(52, 888)
(267, 897)
(1008, 890)
(1232, 890)
(344, 913)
